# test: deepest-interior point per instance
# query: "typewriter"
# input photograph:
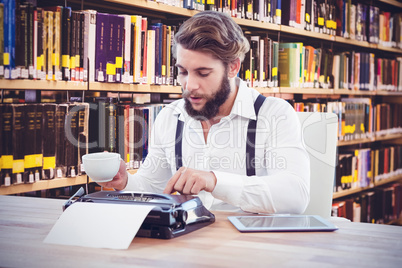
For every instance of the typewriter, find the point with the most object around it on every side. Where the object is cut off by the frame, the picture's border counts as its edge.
(172, 216)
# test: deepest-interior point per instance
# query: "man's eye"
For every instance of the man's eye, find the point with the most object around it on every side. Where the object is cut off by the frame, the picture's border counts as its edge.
(204, 74)
(182, 72)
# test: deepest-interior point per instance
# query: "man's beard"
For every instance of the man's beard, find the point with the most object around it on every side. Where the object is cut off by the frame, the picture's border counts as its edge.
(211, 107)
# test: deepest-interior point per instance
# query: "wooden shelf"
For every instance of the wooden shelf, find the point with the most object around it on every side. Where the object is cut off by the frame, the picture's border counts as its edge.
(368, 140)
(42, 84)
(257, 24)
(310, 91)
(392, 3)
(296, 31)
(154, 6)
(357, 190)
(43, 185)
(25, 84)
(133, 88)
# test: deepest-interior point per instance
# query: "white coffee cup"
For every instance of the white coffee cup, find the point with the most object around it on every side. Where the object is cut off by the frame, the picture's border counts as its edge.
(101, 167)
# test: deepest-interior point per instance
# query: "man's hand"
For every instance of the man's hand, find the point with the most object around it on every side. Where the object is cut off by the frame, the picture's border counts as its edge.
(191, 181)
(119, 181)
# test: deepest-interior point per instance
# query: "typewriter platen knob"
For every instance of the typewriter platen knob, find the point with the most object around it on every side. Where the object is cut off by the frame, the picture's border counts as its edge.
(182, 215)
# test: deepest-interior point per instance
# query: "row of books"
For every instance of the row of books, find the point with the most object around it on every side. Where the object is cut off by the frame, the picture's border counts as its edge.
(56, 43)
(305, 66)
(46, 141)
(124, 128)
(60, 44)
(346, 18)
(41, 141)
(365, 167)
(363, 71)
(358, 118)
(382, 205)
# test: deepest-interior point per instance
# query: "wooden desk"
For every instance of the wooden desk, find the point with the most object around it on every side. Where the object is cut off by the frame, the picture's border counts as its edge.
(25, 222)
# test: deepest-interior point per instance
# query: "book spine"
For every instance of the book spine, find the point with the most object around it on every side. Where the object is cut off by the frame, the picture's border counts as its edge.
(1, 40)
(73, 45)
(40, 54)
(6, 154)
(164, 54)
(61, 167)
(144, 50)
(71, 140)
(102, 40)
(119, 40)
(18, 144)
(151, 57)
(28, 142)
(49, 141)
(92, 44)
(83, 128)
(21, 35)
(57, 74)
(9, 39)
(81, 32)
(78, 31)
(30, 41)
(137, 21)
(127, 50)
(38, 142)
(111, 50)
(50, 45)
(65, 44)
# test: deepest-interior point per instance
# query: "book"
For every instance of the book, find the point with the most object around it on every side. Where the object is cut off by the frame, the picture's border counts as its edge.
(288, 58)
(151, 57)
(71, 140)
(9, 39)
(49, 44)
(21, 41)
(1, 40)
(137, 24)
(65, 43)
(60, 118)
(38, 154)
(6, 142)
(49, 141)
(40, 57)
(18, 128)
(102, 41)
(127, 50)
(28, 141)
(90, 44)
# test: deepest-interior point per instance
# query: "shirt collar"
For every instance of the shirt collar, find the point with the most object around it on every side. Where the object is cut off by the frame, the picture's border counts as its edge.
(243, 105)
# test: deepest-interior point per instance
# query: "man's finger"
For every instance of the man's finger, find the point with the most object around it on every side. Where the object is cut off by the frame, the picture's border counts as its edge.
(171, 183)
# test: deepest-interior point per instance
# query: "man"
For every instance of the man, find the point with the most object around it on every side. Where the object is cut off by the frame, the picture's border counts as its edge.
(214, 114)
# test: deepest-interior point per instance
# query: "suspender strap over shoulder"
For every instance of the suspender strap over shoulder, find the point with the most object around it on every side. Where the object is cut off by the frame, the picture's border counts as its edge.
(250, 146)
(179, 138)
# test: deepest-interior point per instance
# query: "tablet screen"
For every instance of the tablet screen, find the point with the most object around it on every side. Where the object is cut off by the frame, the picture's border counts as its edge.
(281, 223)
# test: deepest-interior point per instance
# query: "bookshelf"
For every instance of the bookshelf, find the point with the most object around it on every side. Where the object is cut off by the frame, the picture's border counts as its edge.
(358, 190)
(175, 13)
(44, 185)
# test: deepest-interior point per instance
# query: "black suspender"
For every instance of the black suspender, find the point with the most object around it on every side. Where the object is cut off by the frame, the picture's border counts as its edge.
(177, 148)
(250, 146)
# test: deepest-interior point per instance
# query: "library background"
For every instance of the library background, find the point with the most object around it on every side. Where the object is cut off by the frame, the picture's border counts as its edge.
(88, 76)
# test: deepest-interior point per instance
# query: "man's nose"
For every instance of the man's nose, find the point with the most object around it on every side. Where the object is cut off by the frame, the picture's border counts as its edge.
(192, 83)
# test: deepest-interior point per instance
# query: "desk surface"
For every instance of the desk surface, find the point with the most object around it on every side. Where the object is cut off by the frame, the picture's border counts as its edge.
(26, 221)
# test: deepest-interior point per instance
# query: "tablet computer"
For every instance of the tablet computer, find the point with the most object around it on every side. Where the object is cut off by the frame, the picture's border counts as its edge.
(279, 223)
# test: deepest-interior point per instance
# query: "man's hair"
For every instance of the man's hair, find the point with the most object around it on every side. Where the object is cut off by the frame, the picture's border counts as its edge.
(212, 32)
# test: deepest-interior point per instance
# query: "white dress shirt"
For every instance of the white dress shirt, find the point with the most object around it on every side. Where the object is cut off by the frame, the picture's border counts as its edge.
(282, 180)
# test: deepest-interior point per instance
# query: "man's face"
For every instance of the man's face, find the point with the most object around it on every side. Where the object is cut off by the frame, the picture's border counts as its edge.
(204, 81)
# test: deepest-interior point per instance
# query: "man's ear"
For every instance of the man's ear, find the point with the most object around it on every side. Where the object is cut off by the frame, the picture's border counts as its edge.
(234, 68)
